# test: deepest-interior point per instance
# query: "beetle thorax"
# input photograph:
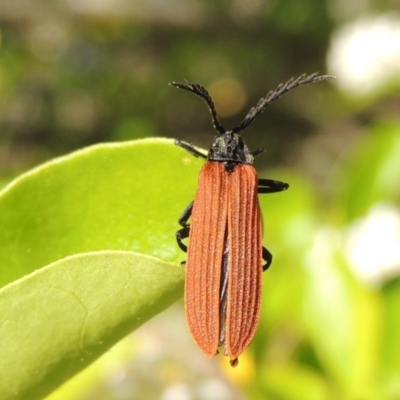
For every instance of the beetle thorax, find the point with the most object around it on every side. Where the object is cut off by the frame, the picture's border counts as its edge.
(229, 149)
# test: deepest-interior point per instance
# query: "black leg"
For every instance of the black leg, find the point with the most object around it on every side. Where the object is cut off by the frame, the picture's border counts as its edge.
(182, 234)
(271, 186)
(258, 151)
(188, 147)
(267, 256)
(187, 212)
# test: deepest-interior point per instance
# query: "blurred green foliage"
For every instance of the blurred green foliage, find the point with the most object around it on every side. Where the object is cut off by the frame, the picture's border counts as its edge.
(78, 73)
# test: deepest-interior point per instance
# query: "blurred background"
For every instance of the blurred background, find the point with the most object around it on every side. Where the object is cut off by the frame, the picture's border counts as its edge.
(75, 73)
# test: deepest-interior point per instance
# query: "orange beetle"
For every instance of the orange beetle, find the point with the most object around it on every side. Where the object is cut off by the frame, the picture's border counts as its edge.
(225, 254)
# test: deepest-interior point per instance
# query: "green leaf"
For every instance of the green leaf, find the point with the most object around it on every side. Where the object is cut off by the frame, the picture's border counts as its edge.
(118, 196)
(62, 317)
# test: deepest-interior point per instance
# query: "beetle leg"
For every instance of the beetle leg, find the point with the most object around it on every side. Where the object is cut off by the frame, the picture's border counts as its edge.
(188, 147)
(187, 212)
(258, 151)
(271, 186)
(267, 256)
(182, 234)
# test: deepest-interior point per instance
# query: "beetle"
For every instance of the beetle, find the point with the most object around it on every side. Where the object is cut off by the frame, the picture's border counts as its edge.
(225, 253)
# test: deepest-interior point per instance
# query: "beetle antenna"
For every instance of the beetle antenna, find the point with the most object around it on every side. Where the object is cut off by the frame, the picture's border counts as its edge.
(263, 103)
(202, 92)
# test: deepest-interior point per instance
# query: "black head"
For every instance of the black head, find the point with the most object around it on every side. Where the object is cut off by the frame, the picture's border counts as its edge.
(228, 146)
(230, 149)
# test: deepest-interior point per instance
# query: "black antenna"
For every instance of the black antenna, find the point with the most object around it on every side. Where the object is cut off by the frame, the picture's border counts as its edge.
(202, 92)
(263, 103)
